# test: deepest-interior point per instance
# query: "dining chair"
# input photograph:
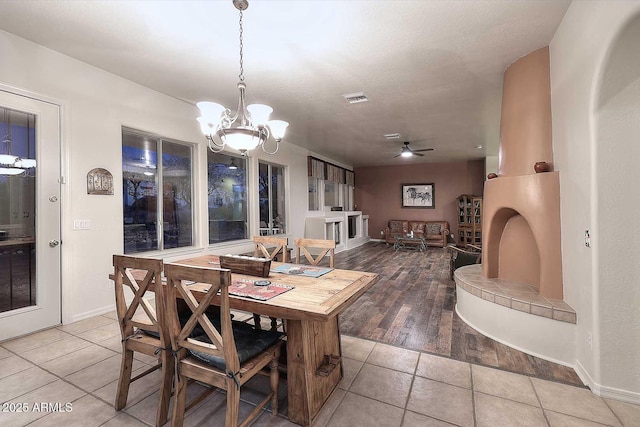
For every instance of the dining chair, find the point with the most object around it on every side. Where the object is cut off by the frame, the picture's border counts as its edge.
(269, 247)
(143, 328)
(471, 254)
(325, 246)
(226, 355)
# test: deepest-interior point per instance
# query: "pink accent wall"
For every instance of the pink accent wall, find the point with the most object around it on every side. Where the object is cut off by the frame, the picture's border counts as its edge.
(378, 191)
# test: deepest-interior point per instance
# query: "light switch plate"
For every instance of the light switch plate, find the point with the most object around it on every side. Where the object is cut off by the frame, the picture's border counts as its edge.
(82, 224)
(587, 238)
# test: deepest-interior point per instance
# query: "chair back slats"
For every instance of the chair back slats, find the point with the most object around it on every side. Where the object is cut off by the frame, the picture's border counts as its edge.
(262, 243)
(325, 246)
(124, 266)
(222, 342)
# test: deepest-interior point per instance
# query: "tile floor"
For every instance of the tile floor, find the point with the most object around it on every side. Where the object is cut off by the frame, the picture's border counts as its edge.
(78, 365)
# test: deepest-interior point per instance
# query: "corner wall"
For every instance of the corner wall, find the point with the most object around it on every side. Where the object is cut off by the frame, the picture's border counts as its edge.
(594, 153)
(378, 191)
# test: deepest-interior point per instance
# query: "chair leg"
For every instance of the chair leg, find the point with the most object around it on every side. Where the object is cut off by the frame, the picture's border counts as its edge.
(125, 379)
(274, 324)
(179, 402)
(233, 403)
(165, 390)
(256, 322)
(274, 378)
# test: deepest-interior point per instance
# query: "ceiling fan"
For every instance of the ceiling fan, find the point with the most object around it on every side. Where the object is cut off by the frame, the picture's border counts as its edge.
(408, 152)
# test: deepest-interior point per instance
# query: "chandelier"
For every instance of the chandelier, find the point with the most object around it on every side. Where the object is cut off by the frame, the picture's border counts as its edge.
(9, 163)
(249, 126)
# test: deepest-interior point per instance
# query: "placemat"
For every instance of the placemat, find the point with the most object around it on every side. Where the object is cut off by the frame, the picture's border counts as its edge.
(301, 270)
(247, 288)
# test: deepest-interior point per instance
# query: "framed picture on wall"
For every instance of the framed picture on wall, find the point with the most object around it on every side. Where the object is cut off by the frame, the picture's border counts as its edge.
(419, 196)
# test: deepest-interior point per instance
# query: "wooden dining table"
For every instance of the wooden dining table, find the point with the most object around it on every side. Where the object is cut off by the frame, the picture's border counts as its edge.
(310, 311)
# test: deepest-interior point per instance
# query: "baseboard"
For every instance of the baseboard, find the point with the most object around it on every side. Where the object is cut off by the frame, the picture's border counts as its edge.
(604, 391)
(93, 313)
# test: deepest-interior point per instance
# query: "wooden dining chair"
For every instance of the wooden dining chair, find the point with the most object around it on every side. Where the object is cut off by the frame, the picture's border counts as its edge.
(226, 355)
(325, 247)
(269, 247)
(143, 328)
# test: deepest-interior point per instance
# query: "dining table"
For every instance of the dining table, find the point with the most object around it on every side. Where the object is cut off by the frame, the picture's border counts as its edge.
(310, 310)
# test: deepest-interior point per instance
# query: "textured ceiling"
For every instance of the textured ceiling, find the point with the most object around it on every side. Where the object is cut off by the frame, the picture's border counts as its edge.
(432, 69)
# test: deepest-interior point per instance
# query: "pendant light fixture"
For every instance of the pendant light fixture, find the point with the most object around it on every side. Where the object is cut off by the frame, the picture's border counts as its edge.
(249, 126)
(9, 163)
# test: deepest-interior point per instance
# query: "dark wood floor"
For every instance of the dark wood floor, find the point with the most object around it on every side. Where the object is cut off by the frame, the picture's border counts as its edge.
(413, 306)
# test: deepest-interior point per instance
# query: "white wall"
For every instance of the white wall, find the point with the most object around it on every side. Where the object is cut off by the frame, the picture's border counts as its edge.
(96, 105)
(596, 187)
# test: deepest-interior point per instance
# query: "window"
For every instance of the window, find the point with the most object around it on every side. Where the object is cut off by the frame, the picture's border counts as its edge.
(227, 197)
(314, 195)
(271, 193)
(331, 194)
(157, 195)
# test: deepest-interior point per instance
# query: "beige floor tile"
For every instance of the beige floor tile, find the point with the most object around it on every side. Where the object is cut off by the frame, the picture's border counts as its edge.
(446, 370)
(111, 315)
(21, 345)
(23, 382)
(54, 392)
(138, 389)
(392, 357)
(356, 348)
(81, 326)
(350, 369)
(329, 408)
(385, 385)
(55, 349)
(101, 333)
(357, 410)
(115, 344)
(494, 411)
(628, 413)
(100, 374)
(504, 384)
(78, 360)
(578, 402)
(267, 419)
(442, 401)
(4, 353)
(124, 420)
(412, 419)
(146, 409)
(14, 364)
(257, 388)
(557, 419)
(212, 412)
(86, 412)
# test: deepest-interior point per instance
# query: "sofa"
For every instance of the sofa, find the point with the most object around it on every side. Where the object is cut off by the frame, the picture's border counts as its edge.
(434, 232)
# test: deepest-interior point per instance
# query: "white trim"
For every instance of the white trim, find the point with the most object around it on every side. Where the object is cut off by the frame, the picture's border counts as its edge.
(607, 392)
(92, 313)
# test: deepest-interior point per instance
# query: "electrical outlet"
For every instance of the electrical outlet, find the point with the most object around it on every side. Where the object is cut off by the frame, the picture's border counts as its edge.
(82, 224)
(110, 284)
(589, 340)
(587, 238)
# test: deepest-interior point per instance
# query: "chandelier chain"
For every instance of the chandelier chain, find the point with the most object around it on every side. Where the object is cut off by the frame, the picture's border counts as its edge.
(241, 75)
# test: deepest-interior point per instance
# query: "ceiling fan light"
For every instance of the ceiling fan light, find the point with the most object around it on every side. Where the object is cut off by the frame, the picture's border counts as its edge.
(406, 153)
(259, 114)
(26, 163)
(11, 171)
(278, 128)
(8, 159)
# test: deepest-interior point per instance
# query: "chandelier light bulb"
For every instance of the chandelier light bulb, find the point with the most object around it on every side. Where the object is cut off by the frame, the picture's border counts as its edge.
(259, 114)
(278, 128)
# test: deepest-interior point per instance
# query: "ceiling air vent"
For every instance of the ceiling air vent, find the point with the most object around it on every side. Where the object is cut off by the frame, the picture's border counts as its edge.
(392, 136)
(354, 98)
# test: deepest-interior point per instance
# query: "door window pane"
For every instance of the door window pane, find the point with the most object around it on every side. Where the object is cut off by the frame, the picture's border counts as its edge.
(271, 191)
(142, 177)
(227, 197)
(17, 210)
(314, 197)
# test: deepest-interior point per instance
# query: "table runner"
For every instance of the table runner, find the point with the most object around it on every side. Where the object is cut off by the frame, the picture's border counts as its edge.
(301, 270)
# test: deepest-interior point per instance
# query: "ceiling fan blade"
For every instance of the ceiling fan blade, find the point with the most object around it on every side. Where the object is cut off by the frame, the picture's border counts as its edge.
(397, 155)
(424, 149)
(417, 154)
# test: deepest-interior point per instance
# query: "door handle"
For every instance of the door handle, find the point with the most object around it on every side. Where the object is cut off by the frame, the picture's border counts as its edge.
(54, 243)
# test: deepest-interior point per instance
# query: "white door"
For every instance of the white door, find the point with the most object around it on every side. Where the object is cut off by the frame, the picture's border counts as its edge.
(29, 215)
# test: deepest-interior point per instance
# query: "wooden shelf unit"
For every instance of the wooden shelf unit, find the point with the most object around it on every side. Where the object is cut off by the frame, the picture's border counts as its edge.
(469, 219)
